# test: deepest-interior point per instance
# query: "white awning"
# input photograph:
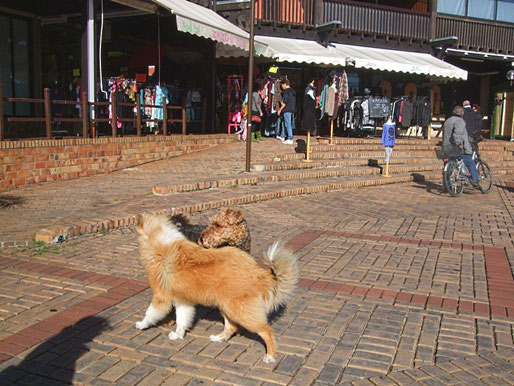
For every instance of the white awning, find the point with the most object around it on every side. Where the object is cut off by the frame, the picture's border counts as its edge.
(399, 61)
(290, 50)
(302, 51)
(203, 22)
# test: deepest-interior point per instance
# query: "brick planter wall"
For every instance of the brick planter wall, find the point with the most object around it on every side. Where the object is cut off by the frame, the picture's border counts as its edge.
(29, 162)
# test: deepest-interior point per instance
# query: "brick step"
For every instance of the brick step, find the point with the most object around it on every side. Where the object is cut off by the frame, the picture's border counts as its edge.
(363, 169)
(124, 213)
(297, 164)
(487, 143)
(429, 154)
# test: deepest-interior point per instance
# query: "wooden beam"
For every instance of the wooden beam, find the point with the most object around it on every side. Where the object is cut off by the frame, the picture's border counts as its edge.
(138, 4)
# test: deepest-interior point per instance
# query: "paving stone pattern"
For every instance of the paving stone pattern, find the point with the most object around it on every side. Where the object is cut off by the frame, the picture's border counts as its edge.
(400, 284)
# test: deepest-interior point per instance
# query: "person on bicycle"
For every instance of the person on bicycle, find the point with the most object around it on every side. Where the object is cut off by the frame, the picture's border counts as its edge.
(455, 138)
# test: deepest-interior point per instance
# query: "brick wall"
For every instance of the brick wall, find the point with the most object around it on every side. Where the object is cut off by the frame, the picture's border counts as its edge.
(29, 162)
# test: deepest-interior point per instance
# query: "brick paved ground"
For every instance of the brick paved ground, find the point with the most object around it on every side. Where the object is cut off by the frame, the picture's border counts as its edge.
(401, 284)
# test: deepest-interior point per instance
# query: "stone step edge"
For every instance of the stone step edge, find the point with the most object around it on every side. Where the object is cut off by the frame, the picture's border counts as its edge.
(298, 164)
(62, 233)
(361, 170)
(319, 156)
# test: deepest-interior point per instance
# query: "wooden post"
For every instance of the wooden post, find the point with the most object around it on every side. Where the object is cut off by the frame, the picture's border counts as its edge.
(386, 174)
(308, 153)
(48, 114)
(1, 112)
(204, 114)
(184, 118)
(432, 8)
(331, 132)
(138, 114)
(85, 115)
(164, 117)
(114, 107)
(318, 12)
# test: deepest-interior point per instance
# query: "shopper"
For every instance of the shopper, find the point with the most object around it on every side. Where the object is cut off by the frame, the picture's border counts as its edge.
(473, 120)
(287, 110)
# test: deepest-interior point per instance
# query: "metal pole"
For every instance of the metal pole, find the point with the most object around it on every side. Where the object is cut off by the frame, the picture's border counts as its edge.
(250, 87)
(91, 78)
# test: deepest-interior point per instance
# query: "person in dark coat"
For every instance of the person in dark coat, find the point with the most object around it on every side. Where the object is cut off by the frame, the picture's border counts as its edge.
(473, 120)
(309, 109)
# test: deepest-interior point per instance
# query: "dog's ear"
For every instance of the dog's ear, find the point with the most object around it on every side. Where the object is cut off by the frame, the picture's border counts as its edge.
(140, 221)
(234, 216)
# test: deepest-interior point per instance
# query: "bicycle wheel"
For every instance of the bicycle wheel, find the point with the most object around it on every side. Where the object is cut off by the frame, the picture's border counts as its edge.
(451, 181)
(485, 177)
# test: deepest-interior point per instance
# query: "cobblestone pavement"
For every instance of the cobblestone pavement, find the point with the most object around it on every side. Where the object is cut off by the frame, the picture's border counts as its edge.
(400, 284)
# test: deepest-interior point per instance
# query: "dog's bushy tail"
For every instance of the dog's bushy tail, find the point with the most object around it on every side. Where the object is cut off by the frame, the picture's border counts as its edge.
(284, 266)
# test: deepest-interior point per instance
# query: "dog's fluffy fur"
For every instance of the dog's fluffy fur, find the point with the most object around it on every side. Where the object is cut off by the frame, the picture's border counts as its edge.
(184, 274)
(227, 228)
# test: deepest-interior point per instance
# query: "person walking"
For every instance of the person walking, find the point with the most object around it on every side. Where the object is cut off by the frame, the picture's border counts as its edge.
(473, 120)
(456, 139)
(287, 110)
(257, 113)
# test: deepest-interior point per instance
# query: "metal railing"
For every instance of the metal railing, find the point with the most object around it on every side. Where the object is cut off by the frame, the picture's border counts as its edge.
(295, 12)
(478, 35)
(89, 125)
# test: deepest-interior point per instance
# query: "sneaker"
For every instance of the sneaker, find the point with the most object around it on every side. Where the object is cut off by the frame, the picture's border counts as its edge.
(288, 142)
(279, 137)
(476, 184)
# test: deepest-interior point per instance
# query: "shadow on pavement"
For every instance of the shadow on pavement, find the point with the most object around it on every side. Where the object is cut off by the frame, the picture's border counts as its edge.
(9, 201)
(53, 362)
(429, 186)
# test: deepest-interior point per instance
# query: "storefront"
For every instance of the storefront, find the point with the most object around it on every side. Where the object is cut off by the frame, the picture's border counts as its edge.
(135, 44)
(410, 79)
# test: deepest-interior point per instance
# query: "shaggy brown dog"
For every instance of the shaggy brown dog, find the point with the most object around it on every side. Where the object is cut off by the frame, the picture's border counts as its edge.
(183, 274)
(227, 227)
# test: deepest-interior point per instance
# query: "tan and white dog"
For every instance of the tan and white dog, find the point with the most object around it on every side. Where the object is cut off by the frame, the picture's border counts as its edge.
(183, 274)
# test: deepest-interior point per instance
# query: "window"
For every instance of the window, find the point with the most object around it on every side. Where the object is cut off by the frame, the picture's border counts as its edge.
(15, 62)
(505, 11)
(501, 10)
(482, 9)
(452, 7)
(6, 61)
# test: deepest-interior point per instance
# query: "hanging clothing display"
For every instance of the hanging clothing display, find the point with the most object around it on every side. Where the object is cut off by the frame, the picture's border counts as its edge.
(309, 109)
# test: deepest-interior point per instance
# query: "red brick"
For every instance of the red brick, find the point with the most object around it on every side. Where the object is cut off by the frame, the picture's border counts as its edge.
(33, 332)
(346, 289)
(465, 306)
(10, 349)
(404, 297)
(481, 308)
(4, 357)
(319, 285)
(389, 295)
(498, 311)
(374, 293)
(333, 287)
(360, 291)
(435, 301)
(450, 304)
(419, 299)
(22, 340)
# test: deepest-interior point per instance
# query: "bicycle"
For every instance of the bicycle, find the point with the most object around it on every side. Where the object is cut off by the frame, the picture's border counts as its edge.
(456, 175)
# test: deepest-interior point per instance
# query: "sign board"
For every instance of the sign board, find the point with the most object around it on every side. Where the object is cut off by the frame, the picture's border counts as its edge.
(379, 107)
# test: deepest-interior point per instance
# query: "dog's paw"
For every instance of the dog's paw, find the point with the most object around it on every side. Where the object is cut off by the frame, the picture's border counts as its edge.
(268, 359)
(217, 338)
(140, 325)
(174, 336)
